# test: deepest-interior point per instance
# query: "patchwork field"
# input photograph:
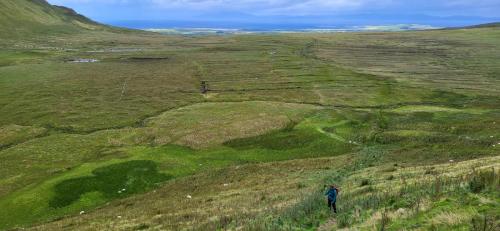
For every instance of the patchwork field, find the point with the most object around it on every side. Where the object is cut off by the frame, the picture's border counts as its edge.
(407, 123)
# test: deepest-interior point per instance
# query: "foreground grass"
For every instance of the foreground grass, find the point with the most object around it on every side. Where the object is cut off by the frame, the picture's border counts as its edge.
(446, 197)
(456, 196)
(282, 196)
(228, 196)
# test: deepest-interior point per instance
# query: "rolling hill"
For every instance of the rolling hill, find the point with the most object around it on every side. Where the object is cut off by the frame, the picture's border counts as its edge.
(487, 25)
(38, 17)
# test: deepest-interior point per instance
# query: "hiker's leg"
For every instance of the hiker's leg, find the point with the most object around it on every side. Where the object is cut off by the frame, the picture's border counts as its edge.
(334, 205)
(329, 203)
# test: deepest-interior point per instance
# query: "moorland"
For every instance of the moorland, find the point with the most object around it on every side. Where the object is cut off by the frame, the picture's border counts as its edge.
(104, 128)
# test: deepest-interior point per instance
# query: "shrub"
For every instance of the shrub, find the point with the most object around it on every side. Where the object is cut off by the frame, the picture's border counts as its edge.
(430, 171)
(142, 227)
(384, 221)
(481, 180)
(485, 223)
(301, 185)
(345, 220)
(365, 182)
(382, 121)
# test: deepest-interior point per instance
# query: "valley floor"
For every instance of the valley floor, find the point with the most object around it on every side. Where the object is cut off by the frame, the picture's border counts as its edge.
(243, 132)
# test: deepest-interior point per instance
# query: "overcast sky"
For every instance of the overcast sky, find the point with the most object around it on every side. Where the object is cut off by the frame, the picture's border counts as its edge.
(281, 11)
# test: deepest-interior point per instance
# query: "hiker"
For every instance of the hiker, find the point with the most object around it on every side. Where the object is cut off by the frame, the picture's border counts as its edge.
(332, 193)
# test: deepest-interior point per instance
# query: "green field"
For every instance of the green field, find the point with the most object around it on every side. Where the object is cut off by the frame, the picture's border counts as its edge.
(407, 123)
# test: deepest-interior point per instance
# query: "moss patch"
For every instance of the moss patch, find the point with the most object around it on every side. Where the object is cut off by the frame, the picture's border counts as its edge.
(114, 181)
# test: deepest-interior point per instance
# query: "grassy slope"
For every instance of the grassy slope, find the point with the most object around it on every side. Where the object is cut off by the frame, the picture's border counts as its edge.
(452, 196)
(37, 17)
(294, 96)
(231, 193)
(277, 196)
(466, 64)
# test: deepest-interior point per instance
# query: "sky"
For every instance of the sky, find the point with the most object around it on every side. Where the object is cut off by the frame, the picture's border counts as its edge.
(285, 13)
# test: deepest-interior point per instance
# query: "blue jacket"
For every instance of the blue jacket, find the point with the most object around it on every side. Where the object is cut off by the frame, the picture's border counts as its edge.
(332, 194)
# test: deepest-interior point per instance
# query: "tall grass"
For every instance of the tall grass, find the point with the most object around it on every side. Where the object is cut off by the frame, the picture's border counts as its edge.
(311, 208)
(355, 207)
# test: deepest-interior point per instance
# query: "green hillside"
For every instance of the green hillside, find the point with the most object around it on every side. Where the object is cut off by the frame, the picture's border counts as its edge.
(38, 17)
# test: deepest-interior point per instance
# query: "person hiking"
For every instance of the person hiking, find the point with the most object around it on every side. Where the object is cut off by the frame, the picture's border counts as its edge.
(332, 193)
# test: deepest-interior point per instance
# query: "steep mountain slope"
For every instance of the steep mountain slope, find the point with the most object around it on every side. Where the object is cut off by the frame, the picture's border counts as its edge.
(38, 17)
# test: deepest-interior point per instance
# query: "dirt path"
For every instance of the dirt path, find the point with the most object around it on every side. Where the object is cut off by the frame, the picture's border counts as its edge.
(322, 98)
(329, 225)
(332, 135)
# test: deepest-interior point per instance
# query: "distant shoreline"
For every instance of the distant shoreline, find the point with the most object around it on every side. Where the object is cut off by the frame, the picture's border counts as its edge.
(222, 31)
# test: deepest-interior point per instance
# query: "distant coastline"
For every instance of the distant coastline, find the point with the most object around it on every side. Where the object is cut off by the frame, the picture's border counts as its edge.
(222, 31)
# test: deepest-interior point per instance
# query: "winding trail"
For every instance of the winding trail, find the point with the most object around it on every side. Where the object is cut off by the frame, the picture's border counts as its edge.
(328, 225)
(333, 135)
(322, 98)
(141, 121)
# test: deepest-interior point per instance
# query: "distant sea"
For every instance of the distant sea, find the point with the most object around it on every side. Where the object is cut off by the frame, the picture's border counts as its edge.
(223, 31)
(240, 24)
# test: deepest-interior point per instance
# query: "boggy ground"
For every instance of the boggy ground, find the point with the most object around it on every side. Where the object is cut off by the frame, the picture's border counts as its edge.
(334, 105)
